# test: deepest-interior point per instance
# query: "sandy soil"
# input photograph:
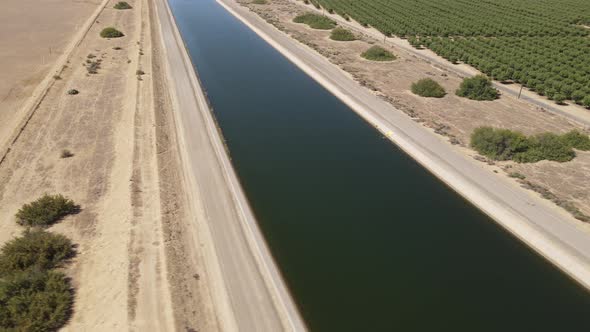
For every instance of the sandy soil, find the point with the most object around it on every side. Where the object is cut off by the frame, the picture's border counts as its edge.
(451, 116)
(123, 174)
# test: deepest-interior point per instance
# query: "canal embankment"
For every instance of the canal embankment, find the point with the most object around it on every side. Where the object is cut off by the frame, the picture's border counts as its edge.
(533, 220)
(247, 290)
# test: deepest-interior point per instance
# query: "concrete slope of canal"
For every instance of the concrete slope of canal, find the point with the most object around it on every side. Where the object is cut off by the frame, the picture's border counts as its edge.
(364, 236)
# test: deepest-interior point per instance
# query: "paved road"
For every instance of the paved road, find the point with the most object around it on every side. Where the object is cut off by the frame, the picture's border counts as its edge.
(249, 294)
(549, 230)
(571, 112)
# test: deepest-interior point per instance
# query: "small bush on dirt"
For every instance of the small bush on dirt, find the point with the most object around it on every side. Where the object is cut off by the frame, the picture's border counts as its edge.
(73, 92)
(93, 66)
(259, 2)
(122, 5)
(46, 211)
(377, 53)
(315, 21)
(427, 87)
(35, 301)
(477, 88)
(517, 175)
(576, 140)
(341, 34)
(139, 72)
(111, 32)
(36, 249)
(65, 153)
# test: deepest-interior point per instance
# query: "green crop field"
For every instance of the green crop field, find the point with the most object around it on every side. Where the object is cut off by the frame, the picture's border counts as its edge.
(543, 44)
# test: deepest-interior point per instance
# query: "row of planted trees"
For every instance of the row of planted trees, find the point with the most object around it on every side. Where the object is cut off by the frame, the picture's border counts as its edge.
(542, 46)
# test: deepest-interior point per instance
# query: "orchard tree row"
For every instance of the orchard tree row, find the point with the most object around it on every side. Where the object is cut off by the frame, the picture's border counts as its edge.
(541, 44)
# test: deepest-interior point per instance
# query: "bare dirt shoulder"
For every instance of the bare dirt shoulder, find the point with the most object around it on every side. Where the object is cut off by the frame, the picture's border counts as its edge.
(113, 127)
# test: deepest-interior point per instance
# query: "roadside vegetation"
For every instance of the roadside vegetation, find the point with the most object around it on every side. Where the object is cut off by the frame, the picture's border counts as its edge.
(259, 2)
(315, 21)
(428, 87)
(378, 53)
(122, 5)
(541, 45)
(35, 250)
(45, 211)
(33, 296)
(478, 87)
(111, 32)
(504, 144)
(341, 34)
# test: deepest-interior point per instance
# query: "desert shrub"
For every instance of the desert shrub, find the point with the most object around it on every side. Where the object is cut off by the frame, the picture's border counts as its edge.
(73, 92)
(576, 140)
(34, 301)
(36, 249)
(111, 32)
(122, 5)
(341, 34)
(315, 21)
(139, 72)
(428, 87)
(477, 88)
(65, 153)
(93, 66)
(517, 175)
(377, 53)
(546, 146)
(498, 144)
(503, 144)
(259, 2)
(46, 210)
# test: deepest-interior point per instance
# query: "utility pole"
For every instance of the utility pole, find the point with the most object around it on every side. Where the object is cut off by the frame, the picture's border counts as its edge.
(520, 92)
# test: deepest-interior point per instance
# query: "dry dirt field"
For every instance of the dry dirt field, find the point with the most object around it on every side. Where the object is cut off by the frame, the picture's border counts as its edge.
(33, 34)
(451, 115)
(131, 252)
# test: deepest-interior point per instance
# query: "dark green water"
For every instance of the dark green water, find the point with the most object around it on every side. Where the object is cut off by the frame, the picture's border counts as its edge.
(367, 239)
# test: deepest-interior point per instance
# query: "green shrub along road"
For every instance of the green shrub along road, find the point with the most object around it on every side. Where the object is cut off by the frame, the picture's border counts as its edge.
(428, 87)
(33, 296)
(377, 53)
(504, 144)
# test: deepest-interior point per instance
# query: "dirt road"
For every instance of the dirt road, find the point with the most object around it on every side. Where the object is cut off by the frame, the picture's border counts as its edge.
(246, 287)
(536, 222)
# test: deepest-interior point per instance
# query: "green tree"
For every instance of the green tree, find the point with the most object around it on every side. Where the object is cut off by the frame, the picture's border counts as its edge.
(498, 144)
